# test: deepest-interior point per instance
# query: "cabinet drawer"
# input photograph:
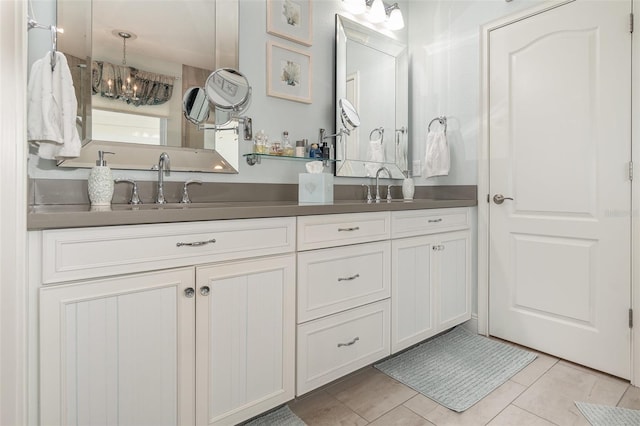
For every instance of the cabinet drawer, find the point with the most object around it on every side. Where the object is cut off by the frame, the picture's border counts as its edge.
(342, 229)
(337, 279)
(421, 222)
(71, 254)
(333, 346)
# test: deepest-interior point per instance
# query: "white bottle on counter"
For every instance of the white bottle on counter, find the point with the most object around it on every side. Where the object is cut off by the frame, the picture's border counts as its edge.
(101, 182)
(408, 187)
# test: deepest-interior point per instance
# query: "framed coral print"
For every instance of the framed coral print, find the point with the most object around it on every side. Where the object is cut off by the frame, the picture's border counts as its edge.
(288, 73)
(290, 19)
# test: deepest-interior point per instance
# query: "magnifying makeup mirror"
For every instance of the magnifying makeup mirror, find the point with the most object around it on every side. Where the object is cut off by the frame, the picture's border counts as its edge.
(195, 105)
(348, 114)
(228, 90)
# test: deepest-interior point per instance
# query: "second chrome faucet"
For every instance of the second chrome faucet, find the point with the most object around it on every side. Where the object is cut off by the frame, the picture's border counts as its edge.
(164, 164)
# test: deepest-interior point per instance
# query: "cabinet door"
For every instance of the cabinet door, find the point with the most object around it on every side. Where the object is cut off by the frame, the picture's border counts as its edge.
(412, 291)
(118, 351)
(245, 343)
(454, 279)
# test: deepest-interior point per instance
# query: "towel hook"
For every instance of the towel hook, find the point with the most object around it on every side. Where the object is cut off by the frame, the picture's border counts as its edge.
(442, 120)
(32, 23)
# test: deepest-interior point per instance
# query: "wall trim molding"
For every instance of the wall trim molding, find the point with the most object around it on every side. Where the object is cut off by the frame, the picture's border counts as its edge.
(13, 235)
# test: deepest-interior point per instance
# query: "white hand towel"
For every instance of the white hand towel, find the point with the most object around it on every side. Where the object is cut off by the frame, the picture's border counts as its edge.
(437, 161)
(375, 154)
(52, 109)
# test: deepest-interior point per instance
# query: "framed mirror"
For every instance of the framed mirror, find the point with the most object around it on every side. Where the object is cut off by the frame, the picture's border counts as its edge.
(139, 61)
(372, 74)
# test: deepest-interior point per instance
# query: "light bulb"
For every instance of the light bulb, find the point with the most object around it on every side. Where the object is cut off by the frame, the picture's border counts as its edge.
(356, 7)
(395, 20)
(376, 12)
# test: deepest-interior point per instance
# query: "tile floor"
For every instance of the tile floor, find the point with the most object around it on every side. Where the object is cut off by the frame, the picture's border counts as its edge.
(542, 394)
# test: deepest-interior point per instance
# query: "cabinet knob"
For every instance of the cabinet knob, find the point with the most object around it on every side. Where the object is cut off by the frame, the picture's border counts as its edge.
(205, 290)
(189, 292)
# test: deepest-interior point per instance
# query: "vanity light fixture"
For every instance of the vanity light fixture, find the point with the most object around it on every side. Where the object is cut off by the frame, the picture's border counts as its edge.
(357, 7)
(395, 20)
(376, 12)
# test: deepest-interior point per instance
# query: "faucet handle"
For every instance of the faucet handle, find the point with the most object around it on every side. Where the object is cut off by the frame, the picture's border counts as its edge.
(389, 198)
(185, 192)
(135, 198)
(369, 198)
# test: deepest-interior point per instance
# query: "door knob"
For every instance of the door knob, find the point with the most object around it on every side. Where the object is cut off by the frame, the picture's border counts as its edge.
(204, 290)
(499, 198)
(189, 292)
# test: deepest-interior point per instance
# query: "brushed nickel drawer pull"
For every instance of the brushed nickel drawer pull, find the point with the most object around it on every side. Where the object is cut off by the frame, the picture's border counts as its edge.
(434, 220)
(351, 278)
(355, 228)
(197, 243)
(355, 339)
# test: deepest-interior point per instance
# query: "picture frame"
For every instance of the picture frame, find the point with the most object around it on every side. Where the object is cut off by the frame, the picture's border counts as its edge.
(289, 73)
(291, 19)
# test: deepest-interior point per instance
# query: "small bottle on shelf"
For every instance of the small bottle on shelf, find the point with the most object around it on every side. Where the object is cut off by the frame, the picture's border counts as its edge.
(259, 142)
(326, 154)
(314, 151)
(300, 149)
(287, 148)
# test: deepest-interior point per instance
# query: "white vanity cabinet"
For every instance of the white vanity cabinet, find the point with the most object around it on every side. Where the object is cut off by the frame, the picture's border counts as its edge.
(344, 273)
(118, 351)
(431, 273)
(245, 342)
(210, 340)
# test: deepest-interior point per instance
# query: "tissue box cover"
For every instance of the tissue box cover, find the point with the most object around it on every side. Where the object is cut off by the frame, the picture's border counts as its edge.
(315, 188)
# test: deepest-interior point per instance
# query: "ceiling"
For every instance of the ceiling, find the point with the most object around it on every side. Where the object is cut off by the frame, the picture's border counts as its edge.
(179, 31)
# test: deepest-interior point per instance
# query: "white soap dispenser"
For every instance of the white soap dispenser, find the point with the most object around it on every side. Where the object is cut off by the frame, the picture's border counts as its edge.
(101, 182)
(408, 186)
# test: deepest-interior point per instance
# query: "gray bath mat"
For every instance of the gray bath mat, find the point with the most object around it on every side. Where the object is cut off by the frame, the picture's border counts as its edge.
(601, 415)
(458, 368)
(281, 417)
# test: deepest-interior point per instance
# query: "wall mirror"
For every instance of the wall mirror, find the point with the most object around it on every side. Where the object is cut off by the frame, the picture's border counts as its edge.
(137, 60)
(372, 74)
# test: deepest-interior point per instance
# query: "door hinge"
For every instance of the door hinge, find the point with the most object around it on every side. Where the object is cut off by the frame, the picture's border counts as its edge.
(488, 199)
(630, 170)
(630, 318)
(631, 22)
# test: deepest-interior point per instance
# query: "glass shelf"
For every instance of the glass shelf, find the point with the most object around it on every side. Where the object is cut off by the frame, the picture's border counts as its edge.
(255, 158)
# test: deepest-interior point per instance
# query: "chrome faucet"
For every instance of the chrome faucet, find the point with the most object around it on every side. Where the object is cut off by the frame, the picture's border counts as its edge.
(162, 163)
(383, 168)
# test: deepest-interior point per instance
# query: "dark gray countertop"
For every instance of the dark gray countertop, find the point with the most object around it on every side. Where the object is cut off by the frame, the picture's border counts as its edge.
(81, 215)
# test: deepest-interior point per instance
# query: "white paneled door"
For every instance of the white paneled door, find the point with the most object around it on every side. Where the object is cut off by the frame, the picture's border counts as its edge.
(560, 192)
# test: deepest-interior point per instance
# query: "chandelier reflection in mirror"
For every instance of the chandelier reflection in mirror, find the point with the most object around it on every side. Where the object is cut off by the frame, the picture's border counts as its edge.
(129, 84)
(129, 92)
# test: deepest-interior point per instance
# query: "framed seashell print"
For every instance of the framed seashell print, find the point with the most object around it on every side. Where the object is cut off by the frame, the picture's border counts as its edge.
(290, 19)
(288, 73)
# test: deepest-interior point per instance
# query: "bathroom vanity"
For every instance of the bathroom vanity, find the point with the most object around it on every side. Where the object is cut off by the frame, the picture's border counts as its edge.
(214, 321)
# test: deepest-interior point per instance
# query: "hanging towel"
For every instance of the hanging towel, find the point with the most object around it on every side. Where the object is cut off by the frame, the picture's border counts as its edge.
(375, 154)
(52, 108)
(437, 158)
